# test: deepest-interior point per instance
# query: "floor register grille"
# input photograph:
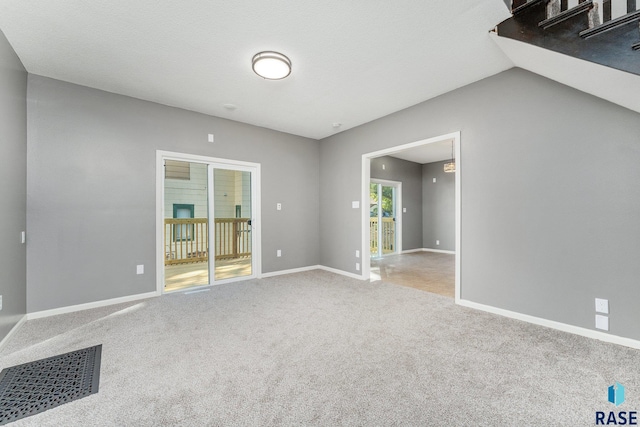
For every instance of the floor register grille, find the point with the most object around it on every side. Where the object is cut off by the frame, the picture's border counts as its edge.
(40, 385)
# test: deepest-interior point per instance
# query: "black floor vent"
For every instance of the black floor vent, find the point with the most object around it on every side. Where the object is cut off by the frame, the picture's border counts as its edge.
(44, 384)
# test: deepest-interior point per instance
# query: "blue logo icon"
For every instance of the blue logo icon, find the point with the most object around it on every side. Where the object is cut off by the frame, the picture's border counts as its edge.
(616, 394)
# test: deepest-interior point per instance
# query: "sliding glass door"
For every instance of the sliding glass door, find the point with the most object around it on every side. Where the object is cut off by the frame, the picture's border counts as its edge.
(208, 222)
(186, 220)
(382, 220)
(232, 231)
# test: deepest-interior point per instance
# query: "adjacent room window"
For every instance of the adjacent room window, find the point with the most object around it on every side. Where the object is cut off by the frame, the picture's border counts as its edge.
(183, 231)
(174, 169)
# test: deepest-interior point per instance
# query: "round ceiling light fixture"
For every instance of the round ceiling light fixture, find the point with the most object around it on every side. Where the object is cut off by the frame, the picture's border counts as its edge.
(271, 65)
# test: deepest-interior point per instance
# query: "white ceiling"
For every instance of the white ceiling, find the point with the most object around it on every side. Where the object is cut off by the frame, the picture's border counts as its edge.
(353, 61)
(428, 153)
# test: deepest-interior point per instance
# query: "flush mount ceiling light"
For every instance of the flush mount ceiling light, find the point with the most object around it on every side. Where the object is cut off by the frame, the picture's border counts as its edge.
(271, 65)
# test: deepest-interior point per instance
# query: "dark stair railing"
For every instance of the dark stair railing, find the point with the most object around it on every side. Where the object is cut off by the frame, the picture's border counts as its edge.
(601, 31)
(609, 21)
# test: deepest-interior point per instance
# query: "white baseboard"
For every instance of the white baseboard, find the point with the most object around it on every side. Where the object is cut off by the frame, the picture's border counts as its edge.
(104, 303)
(341, 272)
(438, 251)
(13, 330)
(410, 251)
(313, 267)
(577, 330)
(89, 305)
(290, 271)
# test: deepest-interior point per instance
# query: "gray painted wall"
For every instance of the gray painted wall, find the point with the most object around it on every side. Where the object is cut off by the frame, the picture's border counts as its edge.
(13, 186)
(92, 189)
(550, 197)
(410, 174)
(438, 207)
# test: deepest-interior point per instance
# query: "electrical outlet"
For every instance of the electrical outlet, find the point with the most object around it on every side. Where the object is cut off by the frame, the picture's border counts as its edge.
(357, 266)
(279, 206)
(602, 322)
(404, 210)
(23, 237)
(434, 180)
(357, 253)
(0, 302)
(437, 242)
(210, 137)
(602, 306)
(140, 269)
(279, 252)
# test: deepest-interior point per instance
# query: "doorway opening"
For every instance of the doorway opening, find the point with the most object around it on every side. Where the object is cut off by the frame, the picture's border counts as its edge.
(412, 152)
(207, 221)
(385, 225)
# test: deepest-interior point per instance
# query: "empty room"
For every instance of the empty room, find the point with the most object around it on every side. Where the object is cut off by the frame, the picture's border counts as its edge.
(320, 213)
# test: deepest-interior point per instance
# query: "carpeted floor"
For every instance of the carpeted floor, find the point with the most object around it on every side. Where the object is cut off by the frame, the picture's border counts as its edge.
(427, 271)
(320, 349)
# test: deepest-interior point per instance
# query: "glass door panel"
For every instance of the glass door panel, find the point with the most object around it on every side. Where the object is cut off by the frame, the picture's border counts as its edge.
(232, 232)
(382, 219)
(387, 219)
(186, 220)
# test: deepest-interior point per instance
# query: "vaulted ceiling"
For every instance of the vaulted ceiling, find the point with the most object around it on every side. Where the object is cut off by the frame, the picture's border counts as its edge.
(353, 61)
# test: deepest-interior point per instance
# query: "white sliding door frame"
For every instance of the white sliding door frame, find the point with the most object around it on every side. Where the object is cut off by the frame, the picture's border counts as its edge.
(256, 222)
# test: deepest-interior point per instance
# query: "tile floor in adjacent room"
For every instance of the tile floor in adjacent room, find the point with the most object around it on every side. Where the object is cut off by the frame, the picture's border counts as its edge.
(427, 271)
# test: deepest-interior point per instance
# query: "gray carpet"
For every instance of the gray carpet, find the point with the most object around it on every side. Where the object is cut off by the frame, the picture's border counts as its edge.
(320, 349)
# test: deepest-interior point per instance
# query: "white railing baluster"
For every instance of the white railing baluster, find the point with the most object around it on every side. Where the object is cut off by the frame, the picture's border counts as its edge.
(618, 8)
(595, 14)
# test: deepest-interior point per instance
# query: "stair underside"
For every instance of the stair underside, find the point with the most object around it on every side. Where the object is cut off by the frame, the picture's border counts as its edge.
(603, 82)
(614, 45)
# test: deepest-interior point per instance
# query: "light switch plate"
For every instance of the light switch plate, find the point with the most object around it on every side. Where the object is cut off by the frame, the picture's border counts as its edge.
(140, 269)
(210, 137)
(357, 253)
(355, 204)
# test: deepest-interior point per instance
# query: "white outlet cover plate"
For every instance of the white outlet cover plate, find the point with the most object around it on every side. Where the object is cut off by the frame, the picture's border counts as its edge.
(140, 269)
(355, 204)
(602, 305)
(602, 322)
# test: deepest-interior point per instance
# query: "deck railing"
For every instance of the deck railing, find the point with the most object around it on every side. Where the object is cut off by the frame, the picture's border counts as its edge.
(187, 240)
(233, 238)
(388, 235)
